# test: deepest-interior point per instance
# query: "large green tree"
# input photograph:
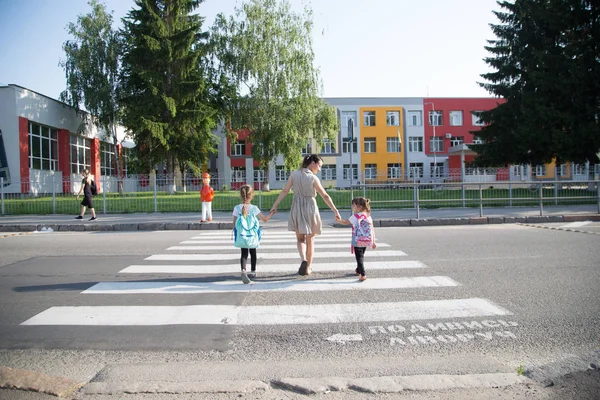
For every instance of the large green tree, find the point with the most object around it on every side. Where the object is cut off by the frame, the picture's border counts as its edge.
(546, 61)
(265, 50)
(92, 66)
(168, 100)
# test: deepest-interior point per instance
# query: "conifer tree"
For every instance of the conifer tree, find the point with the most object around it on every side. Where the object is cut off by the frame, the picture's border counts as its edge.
(546, 65)
(168, 104)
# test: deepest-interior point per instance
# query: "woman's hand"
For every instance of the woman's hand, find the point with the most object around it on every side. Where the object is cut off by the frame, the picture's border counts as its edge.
(273, 211)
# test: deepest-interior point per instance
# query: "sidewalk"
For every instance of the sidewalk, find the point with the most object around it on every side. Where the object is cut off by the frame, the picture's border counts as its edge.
(223, 220)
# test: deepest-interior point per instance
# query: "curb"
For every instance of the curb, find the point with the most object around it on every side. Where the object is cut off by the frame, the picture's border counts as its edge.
(385, 384)
(161, 226)
(37, 382)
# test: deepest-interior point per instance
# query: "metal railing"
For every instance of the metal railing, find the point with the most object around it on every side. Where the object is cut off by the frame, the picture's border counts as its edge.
(151, 194)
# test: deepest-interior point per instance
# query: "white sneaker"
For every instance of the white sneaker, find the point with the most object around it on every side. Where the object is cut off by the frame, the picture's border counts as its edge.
(245, 278)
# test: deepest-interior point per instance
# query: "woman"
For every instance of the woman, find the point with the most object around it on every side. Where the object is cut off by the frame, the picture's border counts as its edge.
(86, 188)
(305, 219)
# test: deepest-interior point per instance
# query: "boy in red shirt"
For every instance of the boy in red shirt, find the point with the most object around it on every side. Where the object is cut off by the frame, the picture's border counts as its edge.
(206, 195)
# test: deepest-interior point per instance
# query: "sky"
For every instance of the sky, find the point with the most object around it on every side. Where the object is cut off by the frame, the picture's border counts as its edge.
(374, 48)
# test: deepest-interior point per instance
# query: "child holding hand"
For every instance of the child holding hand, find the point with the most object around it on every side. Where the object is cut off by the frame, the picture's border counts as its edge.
(247, 232)
(363, 234)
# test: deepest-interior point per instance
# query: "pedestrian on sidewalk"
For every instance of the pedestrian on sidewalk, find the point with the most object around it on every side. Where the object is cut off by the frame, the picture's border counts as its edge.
(305, 219)
(247, 230)
(363, 233)
(86, 187)
(206, 196)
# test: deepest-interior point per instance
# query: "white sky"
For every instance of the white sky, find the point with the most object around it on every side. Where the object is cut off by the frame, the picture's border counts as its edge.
(376, 48)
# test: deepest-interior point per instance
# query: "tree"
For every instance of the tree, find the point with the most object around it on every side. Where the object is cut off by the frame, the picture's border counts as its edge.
(167, 98)
(92, 66)
(267, 54)
(546, 59)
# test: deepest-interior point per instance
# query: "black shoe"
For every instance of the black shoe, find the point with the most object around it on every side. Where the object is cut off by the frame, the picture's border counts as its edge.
(79, 217)
(92, 219)
(303, 268)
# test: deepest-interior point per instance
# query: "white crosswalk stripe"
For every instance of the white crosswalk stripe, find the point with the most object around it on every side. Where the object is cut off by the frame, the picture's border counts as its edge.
(210, 251)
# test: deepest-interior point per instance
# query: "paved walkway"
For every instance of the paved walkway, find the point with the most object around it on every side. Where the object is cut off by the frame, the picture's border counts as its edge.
(223, 220)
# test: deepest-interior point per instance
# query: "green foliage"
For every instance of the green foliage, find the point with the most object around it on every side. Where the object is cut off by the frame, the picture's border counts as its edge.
(266, 53)
(546, 61)
(92, 66)
(167, 95)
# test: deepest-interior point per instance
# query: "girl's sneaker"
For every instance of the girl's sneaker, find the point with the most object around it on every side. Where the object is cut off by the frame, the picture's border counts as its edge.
(252, 274)
(245, 278)
(362, 278)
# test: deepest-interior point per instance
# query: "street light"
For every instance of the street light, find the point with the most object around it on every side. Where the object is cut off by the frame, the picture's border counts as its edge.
(434, 141)
(350, 147)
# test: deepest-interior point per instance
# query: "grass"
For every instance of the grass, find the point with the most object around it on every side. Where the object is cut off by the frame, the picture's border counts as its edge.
(381, 198)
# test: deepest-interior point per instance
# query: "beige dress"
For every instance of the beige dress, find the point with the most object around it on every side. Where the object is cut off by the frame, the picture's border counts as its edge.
(304, 214)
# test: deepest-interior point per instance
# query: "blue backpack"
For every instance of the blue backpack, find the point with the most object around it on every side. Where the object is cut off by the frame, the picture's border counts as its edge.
(246, 232)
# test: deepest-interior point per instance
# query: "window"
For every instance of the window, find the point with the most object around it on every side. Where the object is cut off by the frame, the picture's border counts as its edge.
(436, 118)
(456, 118)
(540, 170)
(238, 148)
(415, 118)
(475, 119)
(369, 118)
(436, 144)
(281, 174)
(43, 147)
(347, 172)
(457, 141)
(415, 144)
(327, 147)
(238, 174)
(563, 170)
(80, 154)
(328, 172)
(370, 171)
(393, 171)
(259, 175)
(579, 169)
(393, 145)
(392, 118)
(370, 145)
(307, 149)
(416, 170)
(437, 170)
(519, 170)
(107, 159)
(346, 117)
(346, 147)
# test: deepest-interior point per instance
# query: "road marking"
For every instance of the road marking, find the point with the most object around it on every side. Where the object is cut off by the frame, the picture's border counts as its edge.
(265, 315)
(266, 268)
(266, 234)
(269, 256)
(341, 338)
(577, 224)
(266, 247)
(263, 240)
(269, 286)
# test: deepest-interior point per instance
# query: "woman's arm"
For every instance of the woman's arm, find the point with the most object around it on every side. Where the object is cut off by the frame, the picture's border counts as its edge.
(80, 189)
(283, 193)
(319, 188)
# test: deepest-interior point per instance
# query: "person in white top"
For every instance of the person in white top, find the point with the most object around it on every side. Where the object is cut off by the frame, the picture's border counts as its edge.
(361, 209)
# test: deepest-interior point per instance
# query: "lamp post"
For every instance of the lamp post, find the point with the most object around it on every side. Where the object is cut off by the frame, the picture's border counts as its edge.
(351, 147)
(434, 141)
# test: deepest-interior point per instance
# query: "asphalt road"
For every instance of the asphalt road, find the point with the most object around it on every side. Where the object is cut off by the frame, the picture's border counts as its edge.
(537, 284)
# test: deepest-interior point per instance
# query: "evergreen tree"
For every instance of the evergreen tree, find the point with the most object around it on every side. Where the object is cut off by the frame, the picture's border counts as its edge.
(168, 101)
(546, 63)
(267, 54)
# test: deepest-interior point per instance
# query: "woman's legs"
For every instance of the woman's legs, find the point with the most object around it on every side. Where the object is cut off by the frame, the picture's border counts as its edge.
(253, 259)
(93, 212)
(310, 249)
(82, 210)
(244, 259)
(301, 244)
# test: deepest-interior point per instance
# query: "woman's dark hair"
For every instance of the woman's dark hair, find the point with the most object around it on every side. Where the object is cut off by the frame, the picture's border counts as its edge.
(310, 159)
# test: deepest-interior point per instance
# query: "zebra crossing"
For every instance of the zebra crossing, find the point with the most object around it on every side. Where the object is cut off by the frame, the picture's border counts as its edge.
(212, 252)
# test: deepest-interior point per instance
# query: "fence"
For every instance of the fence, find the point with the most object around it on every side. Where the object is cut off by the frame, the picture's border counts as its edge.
(151, 194)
